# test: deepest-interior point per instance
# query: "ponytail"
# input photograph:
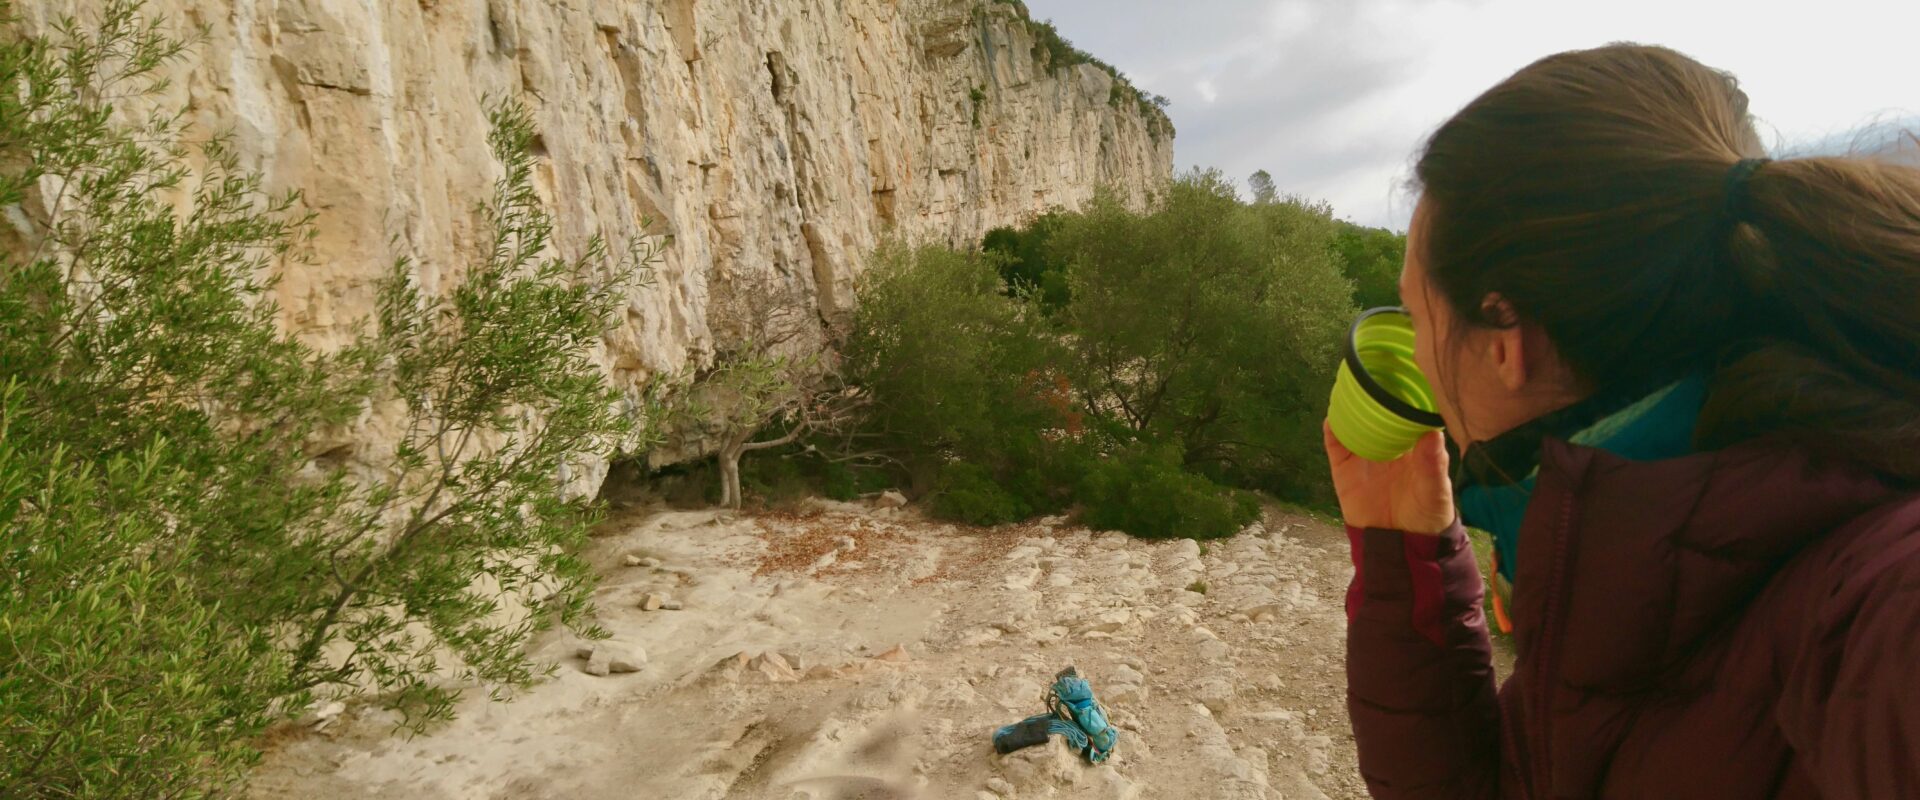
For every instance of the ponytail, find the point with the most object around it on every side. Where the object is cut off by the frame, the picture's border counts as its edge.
(1829, 259)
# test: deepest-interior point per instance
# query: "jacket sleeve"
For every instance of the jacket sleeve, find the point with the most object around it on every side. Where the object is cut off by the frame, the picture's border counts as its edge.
(1851, 708)
(1419, 667)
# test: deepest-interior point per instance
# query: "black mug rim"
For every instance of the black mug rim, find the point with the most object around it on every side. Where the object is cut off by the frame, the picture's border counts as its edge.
(1374, 390)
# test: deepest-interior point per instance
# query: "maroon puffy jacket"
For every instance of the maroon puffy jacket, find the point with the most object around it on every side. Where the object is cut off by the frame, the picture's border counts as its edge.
(1736, 624)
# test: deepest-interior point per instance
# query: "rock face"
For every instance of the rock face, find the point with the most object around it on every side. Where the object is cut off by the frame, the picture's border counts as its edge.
(775, 141)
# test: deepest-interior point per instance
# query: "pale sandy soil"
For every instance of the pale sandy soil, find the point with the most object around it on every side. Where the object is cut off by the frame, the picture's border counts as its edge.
(1235, 693)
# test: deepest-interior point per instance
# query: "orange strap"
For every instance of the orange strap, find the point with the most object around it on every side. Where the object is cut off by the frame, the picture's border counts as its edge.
(1500, 614)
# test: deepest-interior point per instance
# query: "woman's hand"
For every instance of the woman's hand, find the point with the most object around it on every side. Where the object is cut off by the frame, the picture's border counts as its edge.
(1411, 494)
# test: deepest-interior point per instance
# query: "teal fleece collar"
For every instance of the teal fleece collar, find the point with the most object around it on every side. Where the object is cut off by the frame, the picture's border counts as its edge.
(1495, 488)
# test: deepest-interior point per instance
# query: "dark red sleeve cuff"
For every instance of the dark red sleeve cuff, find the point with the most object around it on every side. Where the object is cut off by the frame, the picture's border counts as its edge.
(1395, 570)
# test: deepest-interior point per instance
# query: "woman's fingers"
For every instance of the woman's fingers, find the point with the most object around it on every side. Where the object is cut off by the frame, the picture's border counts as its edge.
(1340, 465)
(1411, 493)
(1337, 453)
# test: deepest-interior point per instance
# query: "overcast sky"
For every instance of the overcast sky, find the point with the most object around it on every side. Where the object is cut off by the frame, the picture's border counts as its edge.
(1333, 96)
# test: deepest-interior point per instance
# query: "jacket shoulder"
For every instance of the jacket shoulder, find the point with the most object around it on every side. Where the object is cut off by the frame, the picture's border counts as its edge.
(1846, 670)
(1878, 545)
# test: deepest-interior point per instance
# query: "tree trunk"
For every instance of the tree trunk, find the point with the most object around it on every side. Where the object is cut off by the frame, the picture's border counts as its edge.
(729, 458)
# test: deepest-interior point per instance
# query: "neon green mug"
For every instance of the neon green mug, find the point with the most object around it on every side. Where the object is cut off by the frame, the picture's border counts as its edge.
(1381, 404)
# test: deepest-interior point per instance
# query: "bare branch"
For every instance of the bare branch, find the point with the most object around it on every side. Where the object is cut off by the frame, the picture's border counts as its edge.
(771, 443)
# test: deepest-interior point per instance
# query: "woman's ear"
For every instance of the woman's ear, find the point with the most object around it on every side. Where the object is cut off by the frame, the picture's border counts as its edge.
(1507, 352)
(1508, 345)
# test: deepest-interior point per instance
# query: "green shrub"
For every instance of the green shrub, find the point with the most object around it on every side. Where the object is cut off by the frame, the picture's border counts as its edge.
(149, 550)
(968, 493)
(1045, 472)
(839, 482)
(501, 398)
(694, 485)
(1201, 322)
(777, 478)
(1371, 258)
(177, 567)
(120, 681)
(784, 477)
(1025, 267)
(846, 483)
(1144, 491)
(776, 482)
(1210, 323)
(954, 367)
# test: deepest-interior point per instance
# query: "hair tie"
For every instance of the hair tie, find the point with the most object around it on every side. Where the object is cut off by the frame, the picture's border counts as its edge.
(1737, 208)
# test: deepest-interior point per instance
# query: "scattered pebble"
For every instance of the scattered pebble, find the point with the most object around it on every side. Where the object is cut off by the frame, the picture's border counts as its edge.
(599, 662)
(324, 714)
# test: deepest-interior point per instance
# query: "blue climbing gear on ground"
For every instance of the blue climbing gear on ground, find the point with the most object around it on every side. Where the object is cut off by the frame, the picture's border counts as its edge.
(1072, 712)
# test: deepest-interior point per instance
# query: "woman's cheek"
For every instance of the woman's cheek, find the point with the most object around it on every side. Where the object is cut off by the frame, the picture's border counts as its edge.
(1442, 398)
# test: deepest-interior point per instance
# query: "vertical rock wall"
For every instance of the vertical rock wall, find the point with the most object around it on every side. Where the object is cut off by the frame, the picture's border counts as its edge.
(776, 140)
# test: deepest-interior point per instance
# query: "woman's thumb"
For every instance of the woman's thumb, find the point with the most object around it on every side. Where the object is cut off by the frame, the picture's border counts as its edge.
(1431, 450)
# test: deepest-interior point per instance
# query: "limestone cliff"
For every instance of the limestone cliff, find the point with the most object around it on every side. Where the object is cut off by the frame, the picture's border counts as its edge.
(774, 139)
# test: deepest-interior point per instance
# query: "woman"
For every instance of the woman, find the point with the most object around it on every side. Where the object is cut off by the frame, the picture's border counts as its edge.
(1686, 384)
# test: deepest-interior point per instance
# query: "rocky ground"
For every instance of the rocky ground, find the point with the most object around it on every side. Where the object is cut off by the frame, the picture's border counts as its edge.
(849, 651)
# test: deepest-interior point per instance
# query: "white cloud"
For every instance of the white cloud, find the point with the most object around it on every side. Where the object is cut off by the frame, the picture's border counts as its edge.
(1291, 19)
(1334, 96)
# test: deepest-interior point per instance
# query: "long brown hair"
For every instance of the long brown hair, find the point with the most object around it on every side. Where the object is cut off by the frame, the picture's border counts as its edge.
(1591, 190)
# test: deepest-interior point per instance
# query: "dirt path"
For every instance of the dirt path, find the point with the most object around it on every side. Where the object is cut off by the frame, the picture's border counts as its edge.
(780, 677)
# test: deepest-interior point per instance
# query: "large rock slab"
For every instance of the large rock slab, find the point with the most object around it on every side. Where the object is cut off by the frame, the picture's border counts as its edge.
(774, 141)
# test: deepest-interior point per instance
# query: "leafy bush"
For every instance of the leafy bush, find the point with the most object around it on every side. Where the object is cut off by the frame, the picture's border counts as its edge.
(146, 544)
(951, 363)
(1202, 327)
(121, 682)
(501, 398)
(1371, 257)
(968, 493)
(840, 483)
(777, 482)
(1208, 323)
(1025, 266)
(844, 482)
(744, 391)
(1045, 472)
(1144, 491)
(960, 373)
(184, 558)
(776, 478)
